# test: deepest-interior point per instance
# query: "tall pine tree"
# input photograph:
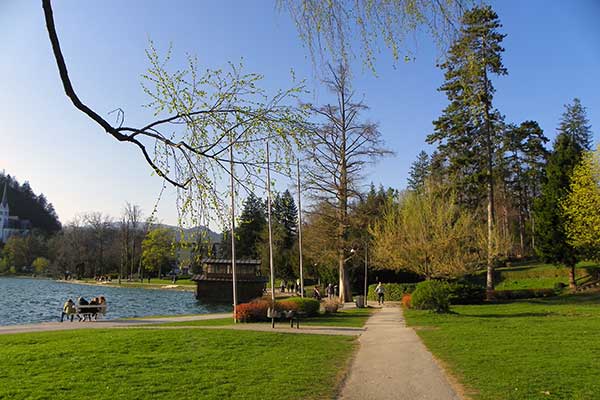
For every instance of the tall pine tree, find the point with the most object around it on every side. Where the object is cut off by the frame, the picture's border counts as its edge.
(419, 171)
(553, 245)
(574, 122)
(468, 130)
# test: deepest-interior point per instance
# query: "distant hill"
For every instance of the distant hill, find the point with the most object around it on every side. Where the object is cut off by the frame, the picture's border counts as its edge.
(25, 204)
(191, 232)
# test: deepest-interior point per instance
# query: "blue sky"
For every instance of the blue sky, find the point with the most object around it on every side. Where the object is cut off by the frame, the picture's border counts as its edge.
(552, 55)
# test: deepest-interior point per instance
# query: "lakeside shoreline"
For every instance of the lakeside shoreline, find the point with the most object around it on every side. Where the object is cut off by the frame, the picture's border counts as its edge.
(129, 285)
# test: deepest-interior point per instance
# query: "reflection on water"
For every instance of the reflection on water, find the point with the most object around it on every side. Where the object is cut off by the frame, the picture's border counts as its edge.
(24, 300)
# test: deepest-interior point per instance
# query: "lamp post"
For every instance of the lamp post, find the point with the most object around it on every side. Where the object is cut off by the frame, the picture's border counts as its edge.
(271, 268)
(300, 231)
(233, 263)
(366, 264)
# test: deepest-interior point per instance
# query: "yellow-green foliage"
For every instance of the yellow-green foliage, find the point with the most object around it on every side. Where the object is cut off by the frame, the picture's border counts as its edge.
(427, 233)
(582, 205)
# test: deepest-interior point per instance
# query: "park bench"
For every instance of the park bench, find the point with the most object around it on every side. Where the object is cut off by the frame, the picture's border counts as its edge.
(88, 310)
(290, 315)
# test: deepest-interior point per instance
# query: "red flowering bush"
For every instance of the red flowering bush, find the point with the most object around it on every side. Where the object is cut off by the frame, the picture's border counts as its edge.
(406, 300)
(256, 310)
(242, 312)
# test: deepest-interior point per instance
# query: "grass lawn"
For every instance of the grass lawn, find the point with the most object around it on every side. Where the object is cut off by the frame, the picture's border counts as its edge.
(539, 276)
(535, 349)
(167, 364)
(354, 318)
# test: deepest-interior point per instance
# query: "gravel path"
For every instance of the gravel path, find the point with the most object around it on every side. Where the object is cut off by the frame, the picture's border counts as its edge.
(392, 363)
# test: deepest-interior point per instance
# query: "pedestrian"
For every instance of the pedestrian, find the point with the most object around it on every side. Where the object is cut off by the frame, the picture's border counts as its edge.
(68, 310)
(330, 291)
(282, 286)
(380, 290)
(298, 285)
(316, 293)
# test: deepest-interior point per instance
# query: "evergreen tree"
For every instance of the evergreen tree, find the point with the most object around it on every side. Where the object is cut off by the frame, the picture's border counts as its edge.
(419, 171)
(250, 226)
(468, 130)
(524, 161)
(574, 122)
(553, 245)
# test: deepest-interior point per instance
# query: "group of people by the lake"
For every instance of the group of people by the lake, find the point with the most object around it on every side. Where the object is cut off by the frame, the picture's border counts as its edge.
(84, 309)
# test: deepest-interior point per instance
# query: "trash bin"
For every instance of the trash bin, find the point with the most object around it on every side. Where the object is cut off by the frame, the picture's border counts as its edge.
(360, 301)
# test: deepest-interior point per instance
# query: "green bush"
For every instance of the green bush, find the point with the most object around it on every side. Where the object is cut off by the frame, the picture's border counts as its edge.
(306, 305)
(392, 291)
(466, 293)
(522, 294)
(431, 295)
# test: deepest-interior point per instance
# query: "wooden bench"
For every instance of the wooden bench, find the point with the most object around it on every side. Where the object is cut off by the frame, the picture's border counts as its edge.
(83, 311)
(291, 315)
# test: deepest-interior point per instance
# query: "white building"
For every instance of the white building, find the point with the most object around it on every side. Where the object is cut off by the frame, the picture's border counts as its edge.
(10, 225)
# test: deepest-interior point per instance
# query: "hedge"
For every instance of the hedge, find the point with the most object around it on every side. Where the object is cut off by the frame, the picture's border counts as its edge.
(522, 294)
(431, 295)
(392, 291)
(306, 305)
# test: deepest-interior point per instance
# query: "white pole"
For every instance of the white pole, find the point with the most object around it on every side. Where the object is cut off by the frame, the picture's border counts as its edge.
(300, 231)
(270, 239)
(366, 263)
(234, 277)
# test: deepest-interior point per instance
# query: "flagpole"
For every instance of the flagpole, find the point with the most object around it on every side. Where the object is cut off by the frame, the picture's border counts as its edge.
(233, 263)
(300, 230)
(270, 240)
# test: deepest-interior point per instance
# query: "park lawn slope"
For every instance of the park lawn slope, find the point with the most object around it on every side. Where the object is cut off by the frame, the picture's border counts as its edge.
(173, 363)
(537, 349)
(539, 275)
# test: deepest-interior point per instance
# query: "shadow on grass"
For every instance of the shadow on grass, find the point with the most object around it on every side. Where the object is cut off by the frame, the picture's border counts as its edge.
(592, 297)
(512, 315)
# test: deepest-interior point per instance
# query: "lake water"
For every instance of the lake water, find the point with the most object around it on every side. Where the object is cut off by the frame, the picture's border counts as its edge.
(25, 301)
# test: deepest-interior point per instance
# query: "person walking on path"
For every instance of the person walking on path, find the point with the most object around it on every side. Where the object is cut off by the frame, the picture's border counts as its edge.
(68, 310)
(380, 290)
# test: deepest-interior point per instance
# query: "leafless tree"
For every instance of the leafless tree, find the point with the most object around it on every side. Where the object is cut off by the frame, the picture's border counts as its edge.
(342, 144)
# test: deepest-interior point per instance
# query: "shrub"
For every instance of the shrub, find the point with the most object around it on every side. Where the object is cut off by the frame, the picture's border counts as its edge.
(331, 306)
(466, 293)
(287, 305)
(406, 300)
(393, 291)
(431, 295)
(521, 294)
(254, 311)
(306, 305)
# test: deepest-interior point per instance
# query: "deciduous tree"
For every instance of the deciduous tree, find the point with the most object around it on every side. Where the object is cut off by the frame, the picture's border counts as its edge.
(581, 206)
(342, 144)
(428, 233)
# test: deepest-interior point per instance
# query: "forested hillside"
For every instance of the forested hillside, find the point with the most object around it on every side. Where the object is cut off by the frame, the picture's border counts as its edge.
(25, 204)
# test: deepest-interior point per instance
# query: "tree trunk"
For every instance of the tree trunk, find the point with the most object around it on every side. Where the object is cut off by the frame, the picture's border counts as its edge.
(572, 283)
(490, 194)
(521, 232)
